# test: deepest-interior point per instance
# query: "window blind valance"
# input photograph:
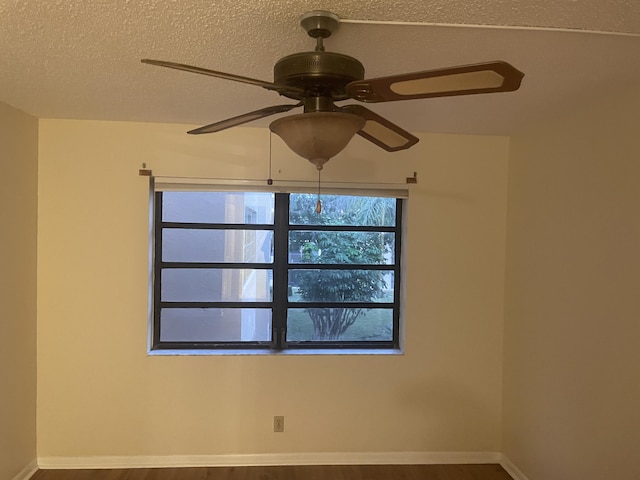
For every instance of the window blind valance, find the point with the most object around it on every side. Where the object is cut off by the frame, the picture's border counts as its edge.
(186, 184)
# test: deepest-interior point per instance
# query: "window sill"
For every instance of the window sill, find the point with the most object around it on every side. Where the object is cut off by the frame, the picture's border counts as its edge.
(294, 352)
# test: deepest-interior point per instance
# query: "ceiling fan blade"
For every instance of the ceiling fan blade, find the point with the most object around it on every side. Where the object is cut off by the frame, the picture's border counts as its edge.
(282, 89)
(240, 119)
(463, 80)
(381, 131)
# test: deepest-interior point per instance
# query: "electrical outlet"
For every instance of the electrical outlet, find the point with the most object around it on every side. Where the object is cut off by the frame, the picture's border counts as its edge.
(278, 423)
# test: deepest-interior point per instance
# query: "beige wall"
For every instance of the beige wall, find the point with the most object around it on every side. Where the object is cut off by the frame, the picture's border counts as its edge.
(101, 394)
(572, 318)
(18, 223)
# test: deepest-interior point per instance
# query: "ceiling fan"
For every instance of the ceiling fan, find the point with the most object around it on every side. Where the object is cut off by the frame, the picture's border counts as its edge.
(319, 79)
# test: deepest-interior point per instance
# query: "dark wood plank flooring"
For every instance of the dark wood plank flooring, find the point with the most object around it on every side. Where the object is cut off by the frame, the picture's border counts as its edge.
(323, 472)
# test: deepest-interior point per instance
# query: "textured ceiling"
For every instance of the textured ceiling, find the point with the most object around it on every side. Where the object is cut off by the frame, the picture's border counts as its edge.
(81, 59)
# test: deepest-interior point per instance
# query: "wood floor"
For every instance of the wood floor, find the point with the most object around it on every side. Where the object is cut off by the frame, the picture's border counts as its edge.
(325, 472)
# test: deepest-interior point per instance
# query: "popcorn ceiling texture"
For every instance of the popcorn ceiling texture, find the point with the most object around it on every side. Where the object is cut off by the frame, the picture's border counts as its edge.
(80, 59)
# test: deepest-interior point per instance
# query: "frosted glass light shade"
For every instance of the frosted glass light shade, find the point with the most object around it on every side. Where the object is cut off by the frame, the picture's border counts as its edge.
(317, 136)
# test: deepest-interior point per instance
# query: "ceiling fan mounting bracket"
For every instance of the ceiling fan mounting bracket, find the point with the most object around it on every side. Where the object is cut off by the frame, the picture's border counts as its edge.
(319, 23)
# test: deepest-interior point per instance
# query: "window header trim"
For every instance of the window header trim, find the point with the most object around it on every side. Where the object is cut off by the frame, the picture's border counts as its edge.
(191, 184)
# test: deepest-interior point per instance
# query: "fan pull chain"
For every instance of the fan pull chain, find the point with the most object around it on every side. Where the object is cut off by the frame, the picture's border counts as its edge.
(319, 202)
(270, 180)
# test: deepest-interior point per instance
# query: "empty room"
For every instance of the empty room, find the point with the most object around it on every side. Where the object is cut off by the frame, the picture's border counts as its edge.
(288, 239)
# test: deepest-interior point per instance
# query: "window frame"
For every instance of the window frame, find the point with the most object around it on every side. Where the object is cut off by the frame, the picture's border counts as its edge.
(280, 266)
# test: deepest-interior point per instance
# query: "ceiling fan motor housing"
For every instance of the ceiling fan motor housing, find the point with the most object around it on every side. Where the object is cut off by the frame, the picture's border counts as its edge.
(318, 73)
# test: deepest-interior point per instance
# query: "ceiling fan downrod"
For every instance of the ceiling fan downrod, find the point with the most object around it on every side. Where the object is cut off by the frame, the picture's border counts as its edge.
(319, 24)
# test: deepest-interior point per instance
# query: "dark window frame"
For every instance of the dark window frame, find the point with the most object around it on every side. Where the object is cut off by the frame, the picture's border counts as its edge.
(280, 267)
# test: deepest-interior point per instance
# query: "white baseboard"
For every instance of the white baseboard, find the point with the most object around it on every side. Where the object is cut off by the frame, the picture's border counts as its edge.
(358, 458)
(28, 471)
(511, 468)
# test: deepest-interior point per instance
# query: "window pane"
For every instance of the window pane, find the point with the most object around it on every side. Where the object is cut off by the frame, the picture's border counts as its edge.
(218, 207)
(368, 248)
(215, 325)
(314, 285)
(215, 277)
(231, 246)
(216, 285)
(342, 210)
(339, 324)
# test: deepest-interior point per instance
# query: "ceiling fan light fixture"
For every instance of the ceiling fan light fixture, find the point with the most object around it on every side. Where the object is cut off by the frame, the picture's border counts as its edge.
(317, 136)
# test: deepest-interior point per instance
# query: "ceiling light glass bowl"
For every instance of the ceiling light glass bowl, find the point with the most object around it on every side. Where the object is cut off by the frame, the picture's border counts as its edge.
(317, 136)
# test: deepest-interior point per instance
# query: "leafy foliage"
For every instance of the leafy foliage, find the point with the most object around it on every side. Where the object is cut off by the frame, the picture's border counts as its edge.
(357, 248)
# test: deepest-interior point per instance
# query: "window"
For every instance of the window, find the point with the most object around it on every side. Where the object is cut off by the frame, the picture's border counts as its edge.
(256, 270)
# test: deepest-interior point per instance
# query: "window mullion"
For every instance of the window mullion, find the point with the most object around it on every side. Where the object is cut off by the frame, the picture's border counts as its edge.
(280, 272)
(397, 277)
(157, 252)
